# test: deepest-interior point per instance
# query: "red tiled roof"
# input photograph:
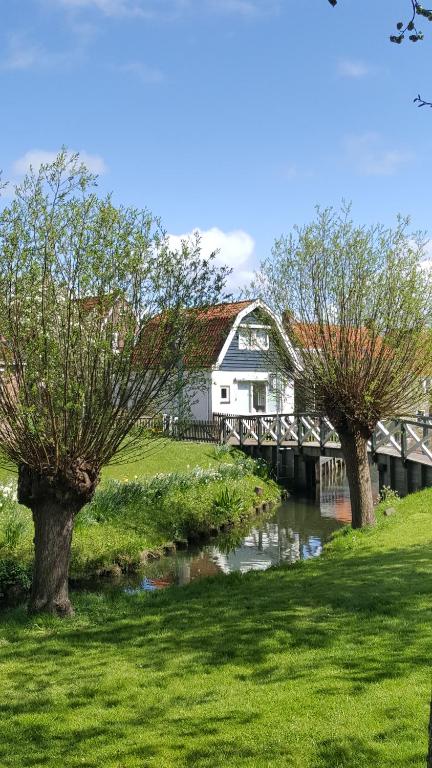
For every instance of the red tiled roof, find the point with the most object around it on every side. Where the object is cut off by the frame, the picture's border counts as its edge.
(312, 335)
(89, 303)
(213, 327)
(210, 328)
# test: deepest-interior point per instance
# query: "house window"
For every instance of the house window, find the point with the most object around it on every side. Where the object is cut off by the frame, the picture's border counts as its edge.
(224, 394)
(253, 338)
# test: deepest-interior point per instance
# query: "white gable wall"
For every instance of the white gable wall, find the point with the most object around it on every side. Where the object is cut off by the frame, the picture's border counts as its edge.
(236, 406)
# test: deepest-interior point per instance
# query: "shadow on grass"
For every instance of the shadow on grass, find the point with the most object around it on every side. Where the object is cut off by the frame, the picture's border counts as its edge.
(331, 626)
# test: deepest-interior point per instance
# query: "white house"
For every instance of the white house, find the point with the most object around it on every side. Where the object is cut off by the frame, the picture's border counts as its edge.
(238, 340)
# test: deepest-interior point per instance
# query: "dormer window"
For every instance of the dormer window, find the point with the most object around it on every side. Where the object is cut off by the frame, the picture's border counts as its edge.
(254, 338)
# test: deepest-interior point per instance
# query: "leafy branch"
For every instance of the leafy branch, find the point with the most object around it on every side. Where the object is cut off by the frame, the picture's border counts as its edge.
(409, 28)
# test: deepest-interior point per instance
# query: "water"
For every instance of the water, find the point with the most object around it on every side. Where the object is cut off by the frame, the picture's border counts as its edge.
(296, 530)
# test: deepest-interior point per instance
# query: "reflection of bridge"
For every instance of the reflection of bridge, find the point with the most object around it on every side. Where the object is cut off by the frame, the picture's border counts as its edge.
(401, 447)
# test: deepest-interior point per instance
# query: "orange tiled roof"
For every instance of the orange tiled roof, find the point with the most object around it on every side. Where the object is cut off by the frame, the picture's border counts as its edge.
(311, 335)
(211, 327)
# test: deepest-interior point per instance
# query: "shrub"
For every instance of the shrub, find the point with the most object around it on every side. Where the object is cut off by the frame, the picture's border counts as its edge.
(14, 575)
(227, 504)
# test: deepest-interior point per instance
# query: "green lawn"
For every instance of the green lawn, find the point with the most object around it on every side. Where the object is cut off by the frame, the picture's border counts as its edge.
(164, 456)
(324, 665)
(161, 456)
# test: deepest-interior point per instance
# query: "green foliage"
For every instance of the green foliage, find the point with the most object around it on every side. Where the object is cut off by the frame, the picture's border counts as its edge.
(228, 503)
(364, 303)
(16, 529)
(388, 496)
(81, 283)
(14, 576)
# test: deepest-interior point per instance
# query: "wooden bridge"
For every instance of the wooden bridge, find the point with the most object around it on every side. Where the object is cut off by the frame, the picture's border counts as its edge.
(401, 448)
(409, 438)
(294, 444)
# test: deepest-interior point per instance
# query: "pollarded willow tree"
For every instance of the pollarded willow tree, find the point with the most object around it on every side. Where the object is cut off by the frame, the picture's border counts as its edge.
(358, 304)
(96, 319)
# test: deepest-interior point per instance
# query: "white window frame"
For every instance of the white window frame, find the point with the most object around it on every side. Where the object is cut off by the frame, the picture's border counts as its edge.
(248, 338)
(226, 399)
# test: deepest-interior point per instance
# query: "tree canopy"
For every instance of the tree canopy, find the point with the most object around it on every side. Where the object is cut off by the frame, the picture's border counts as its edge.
(357, 302)
(96, 318)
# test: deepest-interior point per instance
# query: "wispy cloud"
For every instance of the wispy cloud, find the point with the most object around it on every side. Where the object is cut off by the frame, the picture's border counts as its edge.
(242, 7)
(108, 7)
(170, 8)
(144, 73)
(353, 69)
(370, 156)
(292, 172)
(23, 54)
(36, 157)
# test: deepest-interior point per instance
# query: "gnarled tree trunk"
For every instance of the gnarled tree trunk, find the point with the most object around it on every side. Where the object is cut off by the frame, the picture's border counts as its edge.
(54, 501)
(53, 537)
(355, 453)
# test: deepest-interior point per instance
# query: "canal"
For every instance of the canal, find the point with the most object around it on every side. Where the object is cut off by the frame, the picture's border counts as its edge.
(296, 529)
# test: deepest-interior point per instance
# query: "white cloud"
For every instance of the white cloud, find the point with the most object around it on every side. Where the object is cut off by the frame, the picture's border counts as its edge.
(353, 69)
(147, 75)
(369, 155)
(35, 158)
(235, 249)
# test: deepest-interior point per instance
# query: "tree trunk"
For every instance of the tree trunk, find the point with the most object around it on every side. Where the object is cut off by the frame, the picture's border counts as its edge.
(53, 538)
(355, 453)
(54, 500)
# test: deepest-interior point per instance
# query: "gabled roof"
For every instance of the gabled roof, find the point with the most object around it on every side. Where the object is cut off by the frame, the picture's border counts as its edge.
(212, 328)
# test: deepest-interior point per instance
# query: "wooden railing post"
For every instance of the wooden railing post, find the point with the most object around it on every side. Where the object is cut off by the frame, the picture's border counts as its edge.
(224, 430)
(259, 430)
(322, 434)
(404, 445)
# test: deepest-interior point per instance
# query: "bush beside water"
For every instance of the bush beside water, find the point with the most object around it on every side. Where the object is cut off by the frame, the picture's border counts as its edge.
(126, 520)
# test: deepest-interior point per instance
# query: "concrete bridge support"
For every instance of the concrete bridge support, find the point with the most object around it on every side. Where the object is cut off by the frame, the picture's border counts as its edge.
(300, 469)
(403, 476)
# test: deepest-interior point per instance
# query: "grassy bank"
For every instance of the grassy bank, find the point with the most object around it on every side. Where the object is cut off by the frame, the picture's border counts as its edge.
(324, 665)
(161, 456)
(131, 517)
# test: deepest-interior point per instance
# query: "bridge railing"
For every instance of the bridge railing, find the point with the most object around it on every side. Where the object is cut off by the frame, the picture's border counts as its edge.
(405, 436)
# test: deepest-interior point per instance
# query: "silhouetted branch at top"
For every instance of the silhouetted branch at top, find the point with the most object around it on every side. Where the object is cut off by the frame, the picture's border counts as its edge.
(409, 27)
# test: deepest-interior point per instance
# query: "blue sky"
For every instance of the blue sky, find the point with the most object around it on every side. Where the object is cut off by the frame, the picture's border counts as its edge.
(232, 116)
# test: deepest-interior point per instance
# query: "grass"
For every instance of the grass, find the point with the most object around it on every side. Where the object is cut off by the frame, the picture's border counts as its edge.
(163, 456)
(321, 665)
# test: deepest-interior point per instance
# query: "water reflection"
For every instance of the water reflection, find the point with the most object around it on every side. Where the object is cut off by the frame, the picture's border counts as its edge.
(297, 530)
